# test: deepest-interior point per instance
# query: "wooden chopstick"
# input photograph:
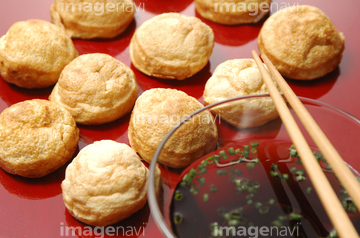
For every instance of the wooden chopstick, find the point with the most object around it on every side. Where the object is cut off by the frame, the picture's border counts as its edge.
(328, 197)
(346, 177)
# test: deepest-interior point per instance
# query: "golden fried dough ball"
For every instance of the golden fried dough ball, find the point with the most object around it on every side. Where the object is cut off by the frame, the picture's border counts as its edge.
(33, 53)
(96, 89)
(302, 42)
(236, 78)
(36, 138)
(171, 46)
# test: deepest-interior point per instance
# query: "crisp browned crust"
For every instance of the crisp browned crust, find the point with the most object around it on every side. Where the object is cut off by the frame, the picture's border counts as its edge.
(302, 42)
(156, 112)
(233, 12)
(105, 183)
(236, 78)
(171, 46)
(96, 89)
(93, 18)
(33, 53)
(36, 138)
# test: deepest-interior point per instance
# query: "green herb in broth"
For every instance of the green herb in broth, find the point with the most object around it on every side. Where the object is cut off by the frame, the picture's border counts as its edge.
(232, 193)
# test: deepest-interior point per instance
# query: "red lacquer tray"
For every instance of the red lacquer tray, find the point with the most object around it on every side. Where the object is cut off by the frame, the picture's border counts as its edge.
(34, 207)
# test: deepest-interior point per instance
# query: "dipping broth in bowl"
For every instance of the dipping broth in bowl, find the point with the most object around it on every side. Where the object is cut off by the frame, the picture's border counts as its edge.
(256, 189)
(254, 184)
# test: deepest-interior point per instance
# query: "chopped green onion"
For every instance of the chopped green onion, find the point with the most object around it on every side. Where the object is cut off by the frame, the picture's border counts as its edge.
(258, 205)
(250, 165)
(318, 156)
(178, 196)
(202, 171)
(264, 210)
(246, 151)
(308, 190)
(221, 172)
(333, 234)
(193, 190)
(244, 180)
(300, 178)
(201, 181)
(249, 202)
(274, 173)
(254, 151)
(206, 197)
(293, 153)
(183, 184)
(209, 160)
(295, 217)
(277, 223)
(349, 205)
(285, 177)
(204, 163)
(231, 151)
(178, 219)
(213, 189)
(223, 154)
(216, 158)
(236, 215)
(244, 187)
(293, 169)
(192, 172)
(239, 152)
(256, 185)
(300, 172)
(234, 223)
(188, 179)
(250, 189)
(227, 216)
(271, 201)
(254, 144)
(328, 168)
(298, 161)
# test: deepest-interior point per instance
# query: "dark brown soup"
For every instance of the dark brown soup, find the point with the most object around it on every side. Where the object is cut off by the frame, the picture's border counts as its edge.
(257, 189)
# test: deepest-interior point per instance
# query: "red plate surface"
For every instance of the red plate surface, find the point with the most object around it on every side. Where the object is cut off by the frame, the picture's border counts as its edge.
(34, 207)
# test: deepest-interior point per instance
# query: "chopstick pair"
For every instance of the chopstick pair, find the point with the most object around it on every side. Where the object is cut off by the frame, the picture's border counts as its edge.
(328, 198)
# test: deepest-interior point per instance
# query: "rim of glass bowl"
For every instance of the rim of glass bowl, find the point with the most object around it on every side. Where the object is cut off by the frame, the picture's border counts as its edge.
(152, 199)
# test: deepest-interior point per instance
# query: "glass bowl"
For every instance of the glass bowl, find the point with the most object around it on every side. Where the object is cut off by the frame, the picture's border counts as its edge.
(253, 184)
